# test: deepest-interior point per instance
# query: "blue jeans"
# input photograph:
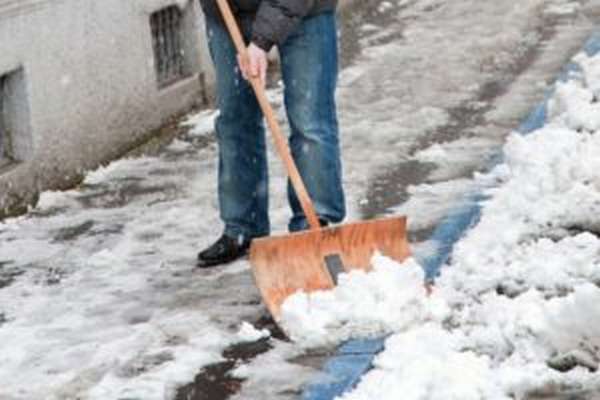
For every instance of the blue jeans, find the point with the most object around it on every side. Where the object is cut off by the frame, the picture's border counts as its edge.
(309, 72)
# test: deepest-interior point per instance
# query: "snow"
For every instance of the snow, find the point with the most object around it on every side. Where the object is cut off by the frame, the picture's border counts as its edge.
(201, 123)
(522, 286)
(427, 363)
(363, 304)
(434, 153)
(430, 202)
(384, 6)
(109, 306)
(248, 333)
(105, 303)
(563, 9)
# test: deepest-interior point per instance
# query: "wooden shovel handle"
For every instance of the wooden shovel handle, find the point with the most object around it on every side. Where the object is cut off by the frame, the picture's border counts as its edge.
(278, 138)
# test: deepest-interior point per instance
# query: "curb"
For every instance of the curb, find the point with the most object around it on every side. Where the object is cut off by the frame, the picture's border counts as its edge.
(352, 360)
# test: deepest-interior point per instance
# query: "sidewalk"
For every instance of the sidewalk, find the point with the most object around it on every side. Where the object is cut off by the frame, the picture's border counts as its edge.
(99, 298)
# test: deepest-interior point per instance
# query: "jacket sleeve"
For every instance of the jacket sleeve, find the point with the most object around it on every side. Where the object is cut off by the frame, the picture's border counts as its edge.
(277, 19)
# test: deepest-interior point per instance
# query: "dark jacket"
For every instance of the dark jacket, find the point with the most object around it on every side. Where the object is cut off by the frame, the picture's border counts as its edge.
(269, 22)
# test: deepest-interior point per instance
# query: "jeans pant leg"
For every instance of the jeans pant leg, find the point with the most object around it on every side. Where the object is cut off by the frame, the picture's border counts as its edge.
(309, 68)
(243, 172)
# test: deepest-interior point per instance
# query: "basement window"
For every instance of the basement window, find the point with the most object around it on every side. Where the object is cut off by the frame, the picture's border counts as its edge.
(4, 138)
(169, 41)
(15, 132)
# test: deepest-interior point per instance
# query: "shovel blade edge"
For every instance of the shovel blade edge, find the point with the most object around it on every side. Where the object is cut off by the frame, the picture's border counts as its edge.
(309, 260)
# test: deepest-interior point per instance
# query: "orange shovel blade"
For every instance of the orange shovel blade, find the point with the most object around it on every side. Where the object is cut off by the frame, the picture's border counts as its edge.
(310, 260)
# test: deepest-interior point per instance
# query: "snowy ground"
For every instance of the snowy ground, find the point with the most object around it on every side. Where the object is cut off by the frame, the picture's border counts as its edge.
(515, 314)
(98, 295)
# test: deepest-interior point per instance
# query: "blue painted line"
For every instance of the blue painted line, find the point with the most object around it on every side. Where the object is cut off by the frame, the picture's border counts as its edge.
(343, 372)
(460, 220)
(353, 359)
(449, 232)
(359, 346)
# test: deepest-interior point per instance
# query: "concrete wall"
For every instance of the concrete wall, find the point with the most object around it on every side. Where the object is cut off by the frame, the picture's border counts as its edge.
(88, 86)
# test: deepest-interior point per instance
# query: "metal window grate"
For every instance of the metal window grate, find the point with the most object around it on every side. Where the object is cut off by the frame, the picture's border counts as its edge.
(16, 143)
(168, 42)
(4, 151)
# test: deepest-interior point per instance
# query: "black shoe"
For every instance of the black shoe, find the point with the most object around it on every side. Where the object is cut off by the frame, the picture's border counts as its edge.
(223, 251)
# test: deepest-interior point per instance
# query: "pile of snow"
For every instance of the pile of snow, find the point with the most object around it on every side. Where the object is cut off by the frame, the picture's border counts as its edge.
(389, 299)
(522, 289)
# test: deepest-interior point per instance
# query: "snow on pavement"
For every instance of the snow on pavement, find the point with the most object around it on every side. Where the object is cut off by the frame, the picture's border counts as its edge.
(98, 297)
(110, 301)
(460, 74)
(523, 285)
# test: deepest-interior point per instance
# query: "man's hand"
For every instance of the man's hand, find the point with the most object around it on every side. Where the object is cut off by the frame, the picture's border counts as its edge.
(255, 65)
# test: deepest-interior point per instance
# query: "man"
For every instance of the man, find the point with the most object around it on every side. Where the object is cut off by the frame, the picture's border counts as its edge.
(304, 32)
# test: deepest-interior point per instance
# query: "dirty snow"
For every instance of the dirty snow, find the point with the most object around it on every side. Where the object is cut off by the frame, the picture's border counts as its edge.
(202, 123)
(102, 300)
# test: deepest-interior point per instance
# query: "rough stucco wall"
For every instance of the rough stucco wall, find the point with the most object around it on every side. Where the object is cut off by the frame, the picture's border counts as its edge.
(90, 84)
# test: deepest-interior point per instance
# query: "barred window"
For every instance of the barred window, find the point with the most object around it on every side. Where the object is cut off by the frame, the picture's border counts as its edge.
(16, 142)
(168, 41)
(4, 137)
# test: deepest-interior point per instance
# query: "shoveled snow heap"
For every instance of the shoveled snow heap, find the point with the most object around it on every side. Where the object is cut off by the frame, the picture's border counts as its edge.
(522, 289)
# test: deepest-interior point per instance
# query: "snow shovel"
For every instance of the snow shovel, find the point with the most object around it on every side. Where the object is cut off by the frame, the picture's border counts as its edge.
(311, 260)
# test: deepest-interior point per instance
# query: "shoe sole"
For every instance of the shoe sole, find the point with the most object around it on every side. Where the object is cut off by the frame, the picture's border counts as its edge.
(211, 264)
